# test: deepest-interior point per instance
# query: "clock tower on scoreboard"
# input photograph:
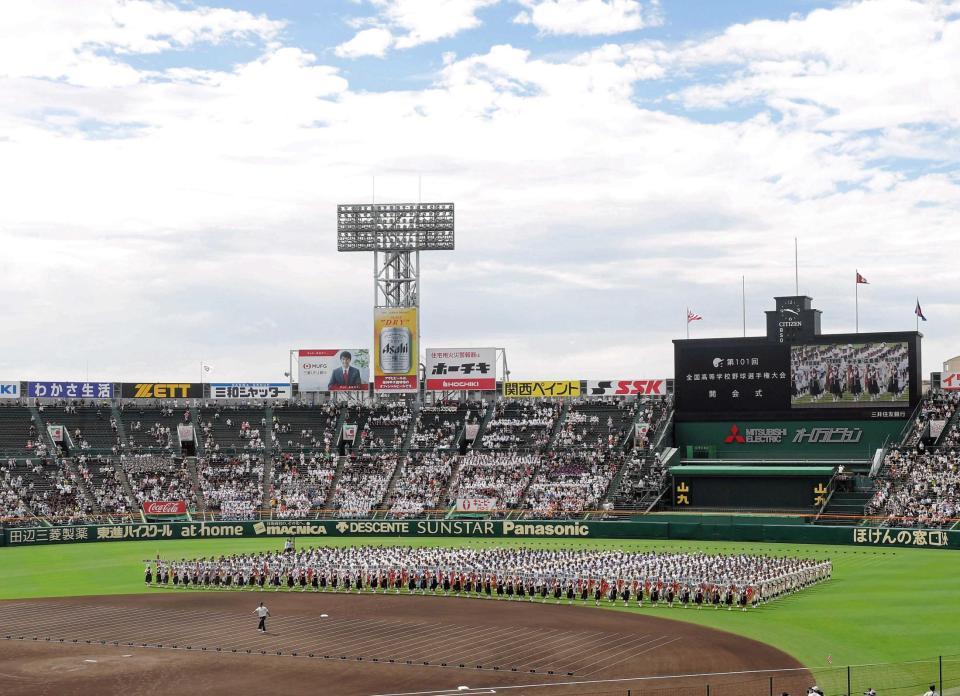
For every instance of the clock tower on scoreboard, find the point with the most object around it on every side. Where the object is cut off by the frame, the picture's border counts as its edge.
(793, 321)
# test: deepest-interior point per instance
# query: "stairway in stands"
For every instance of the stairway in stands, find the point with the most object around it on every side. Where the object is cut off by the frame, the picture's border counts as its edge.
(267, 436)
(846, 509)
(380, 510)
(191, 464)
(338, 430)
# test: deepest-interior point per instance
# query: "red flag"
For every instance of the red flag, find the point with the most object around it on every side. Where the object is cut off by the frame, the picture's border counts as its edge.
(861, 280)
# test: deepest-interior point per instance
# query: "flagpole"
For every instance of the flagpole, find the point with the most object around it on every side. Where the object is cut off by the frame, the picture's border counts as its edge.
(743, 300)
(917, 317)
(688, 322)
(856, 301)
(796, 266)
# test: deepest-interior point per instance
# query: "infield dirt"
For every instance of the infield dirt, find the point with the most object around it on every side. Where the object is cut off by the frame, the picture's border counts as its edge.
(208, 643)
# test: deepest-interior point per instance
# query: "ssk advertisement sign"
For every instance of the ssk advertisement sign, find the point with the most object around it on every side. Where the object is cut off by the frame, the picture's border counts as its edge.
(461, 368)
(627, 387)
(161, 390)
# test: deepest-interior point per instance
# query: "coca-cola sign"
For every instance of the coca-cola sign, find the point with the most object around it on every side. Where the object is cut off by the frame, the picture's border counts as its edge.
(165, 507)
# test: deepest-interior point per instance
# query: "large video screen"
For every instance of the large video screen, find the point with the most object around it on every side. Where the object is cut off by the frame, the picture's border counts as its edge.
(849, 375)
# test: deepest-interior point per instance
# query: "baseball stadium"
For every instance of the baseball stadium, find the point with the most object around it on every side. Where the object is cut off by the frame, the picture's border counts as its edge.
(554, 452)
(764, 521)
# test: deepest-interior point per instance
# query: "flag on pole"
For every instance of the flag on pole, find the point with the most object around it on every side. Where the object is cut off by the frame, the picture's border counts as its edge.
(691, 316)
(918, 311)
(207, 368)
(861, 280)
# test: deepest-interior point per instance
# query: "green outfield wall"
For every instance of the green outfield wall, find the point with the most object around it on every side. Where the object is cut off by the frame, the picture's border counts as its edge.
(692, 527)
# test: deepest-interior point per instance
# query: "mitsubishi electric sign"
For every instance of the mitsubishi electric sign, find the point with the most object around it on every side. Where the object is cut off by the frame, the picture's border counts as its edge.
(774, 436)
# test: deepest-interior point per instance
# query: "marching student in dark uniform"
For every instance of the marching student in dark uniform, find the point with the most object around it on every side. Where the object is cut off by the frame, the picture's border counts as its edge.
(544, 590)
(148, 574)
(728, 598)
(625, 594)
(698, 597)
(488, 587)
(509, 589)
(570, 594)
(584, 590)
(670, 594)
(433, 582)
(685, 596)
(613, 594)
(315, 581)
(531, 588)
(457, 586)
(597, 593)
(446, 584)
(717, 600)
(499, 587)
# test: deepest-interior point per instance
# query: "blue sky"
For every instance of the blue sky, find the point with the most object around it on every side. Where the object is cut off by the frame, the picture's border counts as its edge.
(172, 171)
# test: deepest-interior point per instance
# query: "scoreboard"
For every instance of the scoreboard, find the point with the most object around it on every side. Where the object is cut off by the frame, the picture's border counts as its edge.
(797, 373)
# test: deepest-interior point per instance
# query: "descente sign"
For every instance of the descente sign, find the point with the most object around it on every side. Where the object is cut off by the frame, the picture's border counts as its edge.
(317, 531)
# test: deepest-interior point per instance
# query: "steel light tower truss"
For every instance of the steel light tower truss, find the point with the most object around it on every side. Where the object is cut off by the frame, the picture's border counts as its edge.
(396, 233)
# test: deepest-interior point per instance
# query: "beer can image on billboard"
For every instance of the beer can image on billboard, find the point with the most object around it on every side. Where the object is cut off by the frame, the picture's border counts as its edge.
(396, 349)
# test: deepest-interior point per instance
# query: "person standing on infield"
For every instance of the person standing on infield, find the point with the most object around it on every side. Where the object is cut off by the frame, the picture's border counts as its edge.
(263, 613)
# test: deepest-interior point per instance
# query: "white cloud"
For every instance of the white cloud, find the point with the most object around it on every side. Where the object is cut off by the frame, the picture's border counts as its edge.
(188, 213)
(589, 17)
(407, 23)
(63, 39)
(368, 42)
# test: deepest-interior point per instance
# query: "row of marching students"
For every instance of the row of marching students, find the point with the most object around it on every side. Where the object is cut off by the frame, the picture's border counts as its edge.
(231, 574)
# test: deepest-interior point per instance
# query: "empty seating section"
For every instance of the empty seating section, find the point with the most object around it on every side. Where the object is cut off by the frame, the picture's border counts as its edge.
(91, 427)
(596, 425)
(232, 484)
(17, 429)
(230, 430)
(571, 482)
(419, 483)
(497, 475)
(100, 476)
(151, 429)
(438, 425)
(301, 484)
(362, 483)
(386, 426)
(520, 425)
(159, 478)
(299, 429)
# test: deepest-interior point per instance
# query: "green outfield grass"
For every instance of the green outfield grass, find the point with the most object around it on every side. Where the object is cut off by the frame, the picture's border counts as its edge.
(883, 605)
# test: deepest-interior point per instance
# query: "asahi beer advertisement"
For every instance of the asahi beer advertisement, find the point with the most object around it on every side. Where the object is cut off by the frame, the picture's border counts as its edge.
(395, 347)
(333, 369)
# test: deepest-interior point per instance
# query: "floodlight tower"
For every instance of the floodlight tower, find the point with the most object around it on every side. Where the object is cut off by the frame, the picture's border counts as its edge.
(396, 233)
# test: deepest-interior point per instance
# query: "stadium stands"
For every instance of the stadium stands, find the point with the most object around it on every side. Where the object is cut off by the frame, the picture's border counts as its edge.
(301, 484)
(361, 483)
(232, 485)
(918, 488)
(538, 457)
(520, 425)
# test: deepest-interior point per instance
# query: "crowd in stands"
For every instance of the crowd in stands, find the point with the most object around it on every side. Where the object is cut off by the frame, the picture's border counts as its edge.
(159, 478)
(386, 426)
(117, 463)
(420, 483)
(918, 488)
(571, 482)
(99, 474)
(363, 481)
(301, 484)
(232, 485)
(502, 476)
(520, 424)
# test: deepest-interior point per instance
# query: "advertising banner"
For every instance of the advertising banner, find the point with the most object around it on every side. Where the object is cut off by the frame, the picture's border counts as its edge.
(950, 381)
(476, 504)
(461, 368)
(349, 432)
(161, 390)
(70, 390)
(56, 433)
(396, 346)
(247, 390)
(165, 507)
(541, 389)
(695, 527)
(9, 390)
(627, 387)
(333, 369)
